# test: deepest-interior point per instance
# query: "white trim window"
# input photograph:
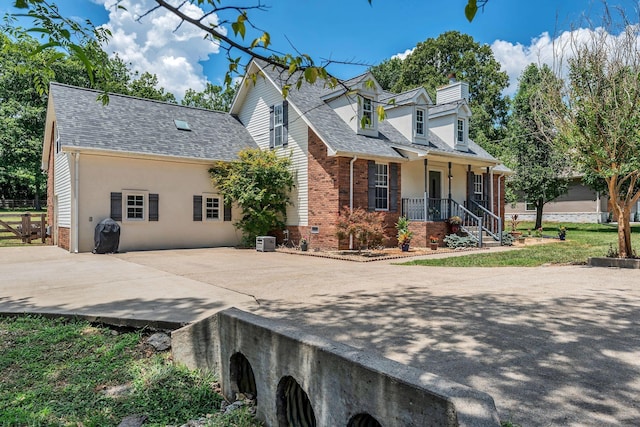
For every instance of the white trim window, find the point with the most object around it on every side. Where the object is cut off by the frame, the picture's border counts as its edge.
(278, 125)
(367, 113)
(460, 132)
(382, 187)
(529, 206)
(135, 206)
(420, 122)
(478, 182)
(212, 208)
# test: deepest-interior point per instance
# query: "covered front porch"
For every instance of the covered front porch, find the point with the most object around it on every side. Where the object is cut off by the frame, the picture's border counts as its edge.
(434, 190)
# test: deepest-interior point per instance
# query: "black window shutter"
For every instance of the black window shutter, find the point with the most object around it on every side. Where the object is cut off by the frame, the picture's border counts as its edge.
(227, 211)
(197, 208)
(285, 123)
(372, 185)
(470, 189)
(116, 206)
(393, 187)
(153, 207)
(271, 133)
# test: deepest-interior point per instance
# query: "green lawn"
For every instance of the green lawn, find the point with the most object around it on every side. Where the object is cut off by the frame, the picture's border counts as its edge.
(583, 241)
(54, 372)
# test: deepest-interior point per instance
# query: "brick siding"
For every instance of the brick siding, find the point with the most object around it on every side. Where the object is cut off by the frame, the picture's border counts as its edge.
(329, 187)
(63, 237)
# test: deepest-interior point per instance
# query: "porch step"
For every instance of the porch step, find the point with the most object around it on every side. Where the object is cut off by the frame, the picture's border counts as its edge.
(487, 240)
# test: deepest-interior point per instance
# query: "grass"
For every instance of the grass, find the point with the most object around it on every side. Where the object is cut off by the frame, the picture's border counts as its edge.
(55, 372)
(17, 217)
(583, 241)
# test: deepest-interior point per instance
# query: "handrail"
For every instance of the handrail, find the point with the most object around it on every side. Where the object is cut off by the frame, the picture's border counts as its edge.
(469, 220)
(493, 223)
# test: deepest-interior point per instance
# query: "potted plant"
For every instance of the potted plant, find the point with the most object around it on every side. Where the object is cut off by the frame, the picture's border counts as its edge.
(404, 234)
(562, 232)
(454, 223)
(304, 244)
(434, 242)
(514, 225)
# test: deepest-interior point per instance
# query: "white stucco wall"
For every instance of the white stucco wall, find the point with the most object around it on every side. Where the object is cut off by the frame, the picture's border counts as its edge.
(401, 118)
(346, 107)
(175, 183)
(254, 114)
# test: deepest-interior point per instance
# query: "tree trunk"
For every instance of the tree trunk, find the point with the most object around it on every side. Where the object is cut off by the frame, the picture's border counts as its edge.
(539, 206)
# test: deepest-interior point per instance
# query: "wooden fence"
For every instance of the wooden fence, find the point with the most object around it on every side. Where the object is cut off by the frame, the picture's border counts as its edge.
(23, 226)
(22, 204)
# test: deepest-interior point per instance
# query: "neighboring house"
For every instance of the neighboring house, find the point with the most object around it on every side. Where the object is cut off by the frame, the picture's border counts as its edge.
(418, 162)
(579, 204)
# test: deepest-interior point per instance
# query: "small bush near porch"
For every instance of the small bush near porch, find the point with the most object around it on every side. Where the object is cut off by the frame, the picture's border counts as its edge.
(583, 241)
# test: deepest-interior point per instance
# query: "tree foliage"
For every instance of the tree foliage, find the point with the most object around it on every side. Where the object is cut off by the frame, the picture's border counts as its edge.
(259, 182)
(213, 97)
(596, 114)
(541, 167)
(452, 52)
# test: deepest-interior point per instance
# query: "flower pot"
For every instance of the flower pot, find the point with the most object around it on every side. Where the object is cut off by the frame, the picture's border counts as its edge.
(405, 247)
(304, 247)
(455, 228)
(434, 246)
(562, 237)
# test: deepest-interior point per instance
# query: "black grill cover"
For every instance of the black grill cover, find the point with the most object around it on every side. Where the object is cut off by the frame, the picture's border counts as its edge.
(106, 237)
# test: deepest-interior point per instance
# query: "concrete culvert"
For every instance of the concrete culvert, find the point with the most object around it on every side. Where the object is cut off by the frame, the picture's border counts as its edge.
(241, 376)
(294, 407)
(363, 420)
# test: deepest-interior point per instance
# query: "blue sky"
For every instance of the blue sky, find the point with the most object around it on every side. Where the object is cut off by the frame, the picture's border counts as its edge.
(518, 31)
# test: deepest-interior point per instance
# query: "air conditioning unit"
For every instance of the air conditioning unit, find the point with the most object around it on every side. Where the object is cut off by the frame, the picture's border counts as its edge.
(265, 244)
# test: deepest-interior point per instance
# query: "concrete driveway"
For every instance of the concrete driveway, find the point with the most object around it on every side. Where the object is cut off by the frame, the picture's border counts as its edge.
(554, 346)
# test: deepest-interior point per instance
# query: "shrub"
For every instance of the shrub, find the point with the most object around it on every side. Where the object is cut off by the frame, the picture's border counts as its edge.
(367, 228)
(507, 239)
(454, 241)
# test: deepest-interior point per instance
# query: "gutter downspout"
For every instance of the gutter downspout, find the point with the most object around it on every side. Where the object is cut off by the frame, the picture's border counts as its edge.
(351, 162)
(76, 220)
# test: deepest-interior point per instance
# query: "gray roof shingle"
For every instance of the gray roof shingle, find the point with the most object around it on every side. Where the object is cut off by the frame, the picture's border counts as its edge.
(135, 125)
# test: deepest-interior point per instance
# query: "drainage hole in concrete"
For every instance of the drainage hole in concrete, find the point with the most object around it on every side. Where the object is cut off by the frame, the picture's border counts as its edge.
(363, 420)
(241, 376)
(294, 407)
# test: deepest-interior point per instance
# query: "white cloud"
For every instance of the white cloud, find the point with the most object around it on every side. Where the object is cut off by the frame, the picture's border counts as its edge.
(404, 54)
(153, 44)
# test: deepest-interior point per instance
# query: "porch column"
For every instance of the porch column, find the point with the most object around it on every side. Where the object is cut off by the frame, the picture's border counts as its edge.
(426, 190)
(469, 186)
(449, 178)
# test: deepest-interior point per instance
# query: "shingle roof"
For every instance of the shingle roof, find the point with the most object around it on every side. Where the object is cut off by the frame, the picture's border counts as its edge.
(340, 136)
(135, 125)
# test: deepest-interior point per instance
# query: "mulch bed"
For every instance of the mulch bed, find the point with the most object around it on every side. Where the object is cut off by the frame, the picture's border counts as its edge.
(374, 255)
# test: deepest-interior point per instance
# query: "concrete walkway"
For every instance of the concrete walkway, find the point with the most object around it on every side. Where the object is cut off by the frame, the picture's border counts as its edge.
(554, 346)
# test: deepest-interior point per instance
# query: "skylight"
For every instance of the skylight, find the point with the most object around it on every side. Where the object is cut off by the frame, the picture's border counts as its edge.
(182, 125)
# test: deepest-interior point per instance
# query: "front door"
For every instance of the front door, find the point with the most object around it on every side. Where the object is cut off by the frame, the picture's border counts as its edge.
(436, 210)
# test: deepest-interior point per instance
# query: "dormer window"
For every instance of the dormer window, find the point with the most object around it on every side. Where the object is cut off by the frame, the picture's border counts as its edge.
(419, 122)
(460, 132)
(367, 113)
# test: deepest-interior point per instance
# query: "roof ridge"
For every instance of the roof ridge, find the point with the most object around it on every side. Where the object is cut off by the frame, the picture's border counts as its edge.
(137, 98)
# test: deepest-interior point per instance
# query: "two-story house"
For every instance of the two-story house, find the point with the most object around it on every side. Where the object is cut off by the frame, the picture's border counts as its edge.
(144, 163)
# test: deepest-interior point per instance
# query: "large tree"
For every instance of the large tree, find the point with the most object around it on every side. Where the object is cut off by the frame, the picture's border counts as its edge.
(597, 116)
(452, 52)
(541, 167)
(24, 69)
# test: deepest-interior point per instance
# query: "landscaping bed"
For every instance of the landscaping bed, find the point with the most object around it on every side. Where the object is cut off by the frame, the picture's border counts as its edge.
(375, 254)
